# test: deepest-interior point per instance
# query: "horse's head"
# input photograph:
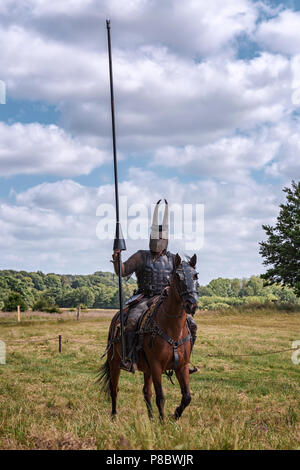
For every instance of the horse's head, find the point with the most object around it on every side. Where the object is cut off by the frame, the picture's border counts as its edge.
(186, 282)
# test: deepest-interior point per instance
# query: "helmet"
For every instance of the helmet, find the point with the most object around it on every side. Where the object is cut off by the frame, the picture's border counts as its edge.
(159, 233)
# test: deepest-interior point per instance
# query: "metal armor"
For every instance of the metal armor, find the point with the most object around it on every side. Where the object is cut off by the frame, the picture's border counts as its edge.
(155, 275)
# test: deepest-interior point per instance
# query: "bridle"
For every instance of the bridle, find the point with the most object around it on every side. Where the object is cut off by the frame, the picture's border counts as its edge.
(188, 288)
(187, 285)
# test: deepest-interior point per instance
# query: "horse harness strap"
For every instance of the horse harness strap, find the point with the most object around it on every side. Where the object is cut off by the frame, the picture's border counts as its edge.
(156, 330)
(150, 326)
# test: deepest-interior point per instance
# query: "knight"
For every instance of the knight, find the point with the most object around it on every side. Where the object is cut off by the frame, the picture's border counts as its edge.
(153, 269)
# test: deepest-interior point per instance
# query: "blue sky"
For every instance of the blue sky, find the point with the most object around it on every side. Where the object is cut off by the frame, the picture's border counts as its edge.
(207, 110)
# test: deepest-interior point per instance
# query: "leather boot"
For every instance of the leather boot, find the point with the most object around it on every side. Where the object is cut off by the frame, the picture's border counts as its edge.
(129, 364)
(192, 370)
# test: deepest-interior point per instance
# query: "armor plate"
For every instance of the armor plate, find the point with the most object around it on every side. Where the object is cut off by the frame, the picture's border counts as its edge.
(155, 275)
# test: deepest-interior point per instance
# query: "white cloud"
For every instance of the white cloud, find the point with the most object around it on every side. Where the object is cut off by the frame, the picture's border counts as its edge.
(38, 68)
(167, 100)
(183, 100)
(163, 97)
(37, 149)
(287, 162)
(47, 229)
(281, 33)
(205, 28)
(65, 196)
(230, 159)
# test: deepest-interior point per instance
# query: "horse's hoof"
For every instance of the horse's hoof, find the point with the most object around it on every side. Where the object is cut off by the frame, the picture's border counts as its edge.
(174, 417)
(113, 416)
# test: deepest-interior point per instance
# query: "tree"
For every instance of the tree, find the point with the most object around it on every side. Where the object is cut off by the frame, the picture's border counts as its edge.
(104, 296)
(52, 281)
(45, 303)
(253, 287)
(282, 248)
(220, 286)
(235, 287)
(13, 300)
(205, 291)
(85, 296)
(38, 281)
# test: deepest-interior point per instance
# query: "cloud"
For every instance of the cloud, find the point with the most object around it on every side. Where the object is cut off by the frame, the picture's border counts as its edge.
(230, 159)
(205, 29)
(163, 99)
(46, 69)
(163, 95)
(184, 101)
(53, 226)
(65, 196)
(281, 34)
(287, 162)
(37, 149)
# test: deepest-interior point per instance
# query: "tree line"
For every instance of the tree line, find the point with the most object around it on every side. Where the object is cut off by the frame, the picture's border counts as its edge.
(49, 292)
(280, 251)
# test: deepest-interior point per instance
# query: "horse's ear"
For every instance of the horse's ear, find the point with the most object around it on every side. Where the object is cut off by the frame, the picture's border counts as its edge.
(177, 261)
(193, 260)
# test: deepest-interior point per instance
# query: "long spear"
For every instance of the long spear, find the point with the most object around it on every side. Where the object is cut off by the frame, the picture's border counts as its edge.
(119, 242)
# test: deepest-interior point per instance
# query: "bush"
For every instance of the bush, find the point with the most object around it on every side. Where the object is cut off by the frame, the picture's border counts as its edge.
(13, 300)
(44, 304)
(250, 302)
(288, 306)
(52, 309)
(217, 306)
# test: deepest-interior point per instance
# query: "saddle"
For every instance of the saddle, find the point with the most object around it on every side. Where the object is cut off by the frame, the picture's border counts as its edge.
(146, 324)
(115, 330)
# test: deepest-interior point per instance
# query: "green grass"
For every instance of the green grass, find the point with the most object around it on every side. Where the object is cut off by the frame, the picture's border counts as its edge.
(50, 400)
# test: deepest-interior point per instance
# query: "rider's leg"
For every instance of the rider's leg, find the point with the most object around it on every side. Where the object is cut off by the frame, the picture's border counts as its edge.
(193, 329)
(131, 336)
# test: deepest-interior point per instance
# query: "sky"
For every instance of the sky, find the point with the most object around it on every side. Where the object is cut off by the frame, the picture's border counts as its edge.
(207, 98)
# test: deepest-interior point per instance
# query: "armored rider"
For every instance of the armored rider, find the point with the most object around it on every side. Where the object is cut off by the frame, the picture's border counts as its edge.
(153, 269)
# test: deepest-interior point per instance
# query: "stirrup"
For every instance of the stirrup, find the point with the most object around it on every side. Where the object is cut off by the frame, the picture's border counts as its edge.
(192, 370)
(127, 365)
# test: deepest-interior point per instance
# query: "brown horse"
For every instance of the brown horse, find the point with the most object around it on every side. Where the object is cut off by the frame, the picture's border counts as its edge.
(166, 342)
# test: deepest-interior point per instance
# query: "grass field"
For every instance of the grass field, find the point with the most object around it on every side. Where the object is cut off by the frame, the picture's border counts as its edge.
(50, 401)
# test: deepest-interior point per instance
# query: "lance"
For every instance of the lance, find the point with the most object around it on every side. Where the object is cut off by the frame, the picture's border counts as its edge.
(119, 242)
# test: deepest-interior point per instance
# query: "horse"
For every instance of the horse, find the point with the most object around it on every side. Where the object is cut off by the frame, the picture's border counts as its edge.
(166, 342)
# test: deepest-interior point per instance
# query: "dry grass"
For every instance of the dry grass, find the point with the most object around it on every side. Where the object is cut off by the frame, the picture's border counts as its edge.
(50, 401)
(65, 313)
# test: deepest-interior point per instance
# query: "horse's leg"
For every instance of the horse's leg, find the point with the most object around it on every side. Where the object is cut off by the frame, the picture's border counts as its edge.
(147, 391)
(156, 373)
(183, 378)
(115, 370)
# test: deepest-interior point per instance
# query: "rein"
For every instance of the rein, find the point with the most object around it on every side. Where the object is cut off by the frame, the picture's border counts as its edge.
(155, 330)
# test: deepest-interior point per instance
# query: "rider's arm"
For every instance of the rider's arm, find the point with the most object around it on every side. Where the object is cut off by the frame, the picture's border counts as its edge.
(130, 266)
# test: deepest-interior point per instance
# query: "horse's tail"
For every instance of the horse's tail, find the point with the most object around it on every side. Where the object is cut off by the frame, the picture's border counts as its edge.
(103, 378)
(103, 375)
